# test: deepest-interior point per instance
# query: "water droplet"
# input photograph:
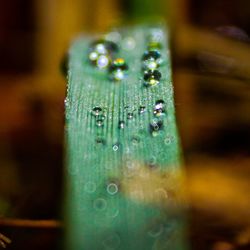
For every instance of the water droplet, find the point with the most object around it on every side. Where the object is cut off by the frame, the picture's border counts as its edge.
(121, 124)
(100, 204)
(152, 54)
(102, 61)
(155, 126)
(90, 187)
(168, 140)
(130, 115)
(116, 146)
(152, 162)
(142, 109)
(159, 108)
(135, 140)
(152, 77)
(118, 69)
(100, 120)
(100, 141)
(112, 188)
(96, 111)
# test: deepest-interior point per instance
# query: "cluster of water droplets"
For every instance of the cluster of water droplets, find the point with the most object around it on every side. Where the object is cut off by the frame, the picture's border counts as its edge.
(103, 55)
(151, 59)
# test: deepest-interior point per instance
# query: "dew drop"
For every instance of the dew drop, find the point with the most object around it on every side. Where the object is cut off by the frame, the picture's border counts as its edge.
(118, 69)
(159, 108)
(100, 120)
(135, 140)
(152, 77)
(142, 109)
(155, 126)
(116, 147)
(100, 141)
(112, 188)
(152, 54)
(100, 204)
(121, 125)
(96, 111)
(112, 242)
(130, 115)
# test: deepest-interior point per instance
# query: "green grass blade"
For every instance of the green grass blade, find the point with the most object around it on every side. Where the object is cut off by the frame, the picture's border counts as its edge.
(123, 184)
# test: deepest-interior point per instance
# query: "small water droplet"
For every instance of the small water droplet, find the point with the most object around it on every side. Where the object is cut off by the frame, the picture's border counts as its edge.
(118, 69)
(152, 77)
(96, 111)
(152, 54)
(152, 162)
(100, 204)
(159, 108)
(116, 146)
(100, 120)
(112, 188)
(100, 141)
(168, 140)
(130, 115)
(121, 124)
(142, 109)
(135, 140)
(155, 126)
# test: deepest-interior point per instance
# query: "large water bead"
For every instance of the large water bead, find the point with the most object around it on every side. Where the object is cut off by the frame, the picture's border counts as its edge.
(152, 77)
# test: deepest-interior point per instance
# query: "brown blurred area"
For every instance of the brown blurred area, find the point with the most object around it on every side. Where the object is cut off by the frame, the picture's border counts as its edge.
(210, 52)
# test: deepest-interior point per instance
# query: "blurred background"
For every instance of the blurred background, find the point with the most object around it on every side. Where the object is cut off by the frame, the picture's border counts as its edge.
(210, 54)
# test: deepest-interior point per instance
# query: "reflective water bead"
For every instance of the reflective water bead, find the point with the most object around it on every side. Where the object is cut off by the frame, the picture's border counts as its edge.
(112, 188)
(96, 111)
(151, 60)
(153, 54)
(159, 108)
(150, 64)
(116, 146)
(100, 204)
(152, 77)
(130, 115)
(142, 109)
(155, 126)
(121, 124)
(100, 120)
(100, 141)
(118, 69)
